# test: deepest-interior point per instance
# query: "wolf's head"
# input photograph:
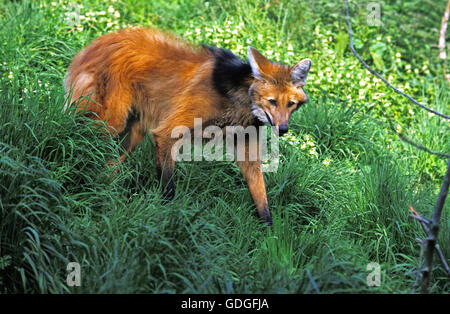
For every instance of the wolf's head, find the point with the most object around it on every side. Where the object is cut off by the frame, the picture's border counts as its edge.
(277, 90)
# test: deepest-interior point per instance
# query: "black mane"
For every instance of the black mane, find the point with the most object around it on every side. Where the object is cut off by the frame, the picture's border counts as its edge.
(229, 70)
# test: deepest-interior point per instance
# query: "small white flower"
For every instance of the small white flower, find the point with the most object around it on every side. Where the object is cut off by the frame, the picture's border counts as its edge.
(312, 151)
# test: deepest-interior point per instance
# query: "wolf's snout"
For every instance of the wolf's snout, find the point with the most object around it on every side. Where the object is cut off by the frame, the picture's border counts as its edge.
(282, 129)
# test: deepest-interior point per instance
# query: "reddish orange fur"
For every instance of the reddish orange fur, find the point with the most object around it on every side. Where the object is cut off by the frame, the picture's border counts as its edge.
(166, 69)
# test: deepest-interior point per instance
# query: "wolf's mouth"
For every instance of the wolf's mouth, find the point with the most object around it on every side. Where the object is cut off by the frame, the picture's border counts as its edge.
(261, 115)
(268, 118)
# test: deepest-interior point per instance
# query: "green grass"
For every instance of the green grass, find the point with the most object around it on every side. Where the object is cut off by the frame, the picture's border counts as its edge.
(340, 198)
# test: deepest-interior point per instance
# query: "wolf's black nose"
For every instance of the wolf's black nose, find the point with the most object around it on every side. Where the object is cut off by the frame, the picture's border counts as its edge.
(282, 129)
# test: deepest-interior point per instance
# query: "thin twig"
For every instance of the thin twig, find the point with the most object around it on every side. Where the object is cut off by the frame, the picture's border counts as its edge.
(379, 76)
(417, 216)
(442, 258)
(424, 223)
(418, 146)
(404, 138)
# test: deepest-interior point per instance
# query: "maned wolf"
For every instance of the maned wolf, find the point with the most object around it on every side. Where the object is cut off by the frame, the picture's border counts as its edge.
(141, 80)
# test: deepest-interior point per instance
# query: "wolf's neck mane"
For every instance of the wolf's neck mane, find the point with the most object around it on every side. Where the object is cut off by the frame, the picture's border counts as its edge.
(230, 72)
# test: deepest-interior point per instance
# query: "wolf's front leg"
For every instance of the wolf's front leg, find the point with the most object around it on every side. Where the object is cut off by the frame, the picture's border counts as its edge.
(165, 164)
(251, 168)
(252, 171)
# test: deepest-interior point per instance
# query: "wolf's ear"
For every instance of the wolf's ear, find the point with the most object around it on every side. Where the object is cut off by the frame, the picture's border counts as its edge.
(258, 62)
(300, 72)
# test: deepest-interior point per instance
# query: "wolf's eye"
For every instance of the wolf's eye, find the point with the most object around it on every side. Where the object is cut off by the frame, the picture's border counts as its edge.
(273, 102)
(291, 103)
